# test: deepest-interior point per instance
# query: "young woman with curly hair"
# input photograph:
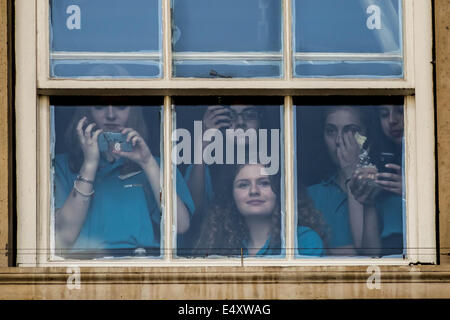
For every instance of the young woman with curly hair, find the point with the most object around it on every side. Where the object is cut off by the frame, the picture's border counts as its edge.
(246, 217)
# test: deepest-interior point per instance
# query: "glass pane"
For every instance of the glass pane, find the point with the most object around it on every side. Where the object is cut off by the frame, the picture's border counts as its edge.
(106, 184)
(227, 39)
(350, 176)
(353, 38)
(229, 151)
(105, 38)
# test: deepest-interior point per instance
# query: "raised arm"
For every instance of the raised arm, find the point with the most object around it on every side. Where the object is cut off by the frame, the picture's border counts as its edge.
(142, 155)
(364, 219)
(70, 217)
(217, 117)
(361, 191)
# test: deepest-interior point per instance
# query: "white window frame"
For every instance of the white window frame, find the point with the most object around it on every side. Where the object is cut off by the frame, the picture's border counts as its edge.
(34, 86)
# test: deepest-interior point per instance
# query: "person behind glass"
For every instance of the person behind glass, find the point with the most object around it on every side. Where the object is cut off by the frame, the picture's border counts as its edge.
(390, 148)
(203, 179)
(111, 200)
(387, 154)
(236, 116)
(245, 217)
(352, 219)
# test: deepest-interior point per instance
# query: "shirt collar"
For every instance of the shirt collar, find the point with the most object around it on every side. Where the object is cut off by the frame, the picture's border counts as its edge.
(261, 252)
(106, 167)
(331, 180)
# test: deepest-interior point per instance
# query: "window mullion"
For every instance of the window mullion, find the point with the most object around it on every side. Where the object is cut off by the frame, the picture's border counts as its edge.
(44, 221)
(289, 177)
(167, 194)
(287, 34)
(167, 39)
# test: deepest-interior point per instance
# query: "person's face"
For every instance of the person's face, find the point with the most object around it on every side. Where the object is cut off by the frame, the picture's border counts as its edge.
(244, 117)
(339, 122)
(252, 192)
(110, 118)
(391, 118)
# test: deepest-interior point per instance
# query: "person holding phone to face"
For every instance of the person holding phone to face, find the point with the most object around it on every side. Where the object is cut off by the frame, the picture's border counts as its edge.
(107, 199)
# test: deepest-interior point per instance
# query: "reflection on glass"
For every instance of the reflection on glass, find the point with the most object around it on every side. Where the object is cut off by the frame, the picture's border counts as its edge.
(227, 39)
(355, 38)
(350, 157)
(107, 180)
(229, 150)
(105, 38)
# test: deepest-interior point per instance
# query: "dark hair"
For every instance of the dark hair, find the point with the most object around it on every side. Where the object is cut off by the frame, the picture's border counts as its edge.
(135, 121)
(365, 114)
(309, 216)
(383, 143)
(224, 230)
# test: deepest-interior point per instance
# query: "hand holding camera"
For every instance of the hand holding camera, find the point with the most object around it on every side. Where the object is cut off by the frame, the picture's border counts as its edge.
(89, 142)
(109, 141)
(133, 147)
(127, 143)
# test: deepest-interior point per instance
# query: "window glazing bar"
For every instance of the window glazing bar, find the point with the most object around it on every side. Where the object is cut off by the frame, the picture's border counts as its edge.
(63, 55)
(339, 56)
(227, 56)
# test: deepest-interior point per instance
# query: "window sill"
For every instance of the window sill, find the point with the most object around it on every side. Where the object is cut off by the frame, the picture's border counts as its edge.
(227, 283)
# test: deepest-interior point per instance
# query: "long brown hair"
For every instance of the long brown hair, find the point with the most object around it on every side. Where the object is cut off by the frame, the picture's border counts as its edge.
(224, 231)
(135, 121)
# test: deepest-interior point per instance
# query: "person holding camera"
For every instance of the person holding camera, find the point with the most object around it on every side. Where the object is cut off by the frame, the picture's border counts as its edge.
(108, 199)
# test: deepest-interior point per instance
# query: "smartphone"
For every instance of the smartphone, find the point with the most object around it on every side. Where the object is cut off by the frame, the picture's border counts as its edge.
(385, 158)
(108, 141)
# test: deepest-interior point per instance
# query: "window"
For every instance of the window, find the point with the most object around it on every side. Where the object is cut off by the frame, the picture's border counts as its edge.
(96, 39)
(233, 101)
(358, 39)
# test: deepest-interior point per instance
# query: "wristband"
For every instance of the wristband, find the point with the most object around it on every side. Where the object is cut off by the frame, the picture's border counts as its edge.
(79, 177)
(81, 192)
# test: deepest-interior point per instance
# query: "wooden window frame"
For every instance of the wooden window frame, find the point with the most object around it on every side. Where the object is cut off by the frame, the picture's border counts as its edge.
(34, 86)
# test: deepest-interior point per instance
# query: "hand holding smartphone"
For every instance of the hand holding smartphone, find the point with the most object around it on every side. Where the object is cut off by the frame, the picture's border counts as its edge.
(108, 141)
(385, 158)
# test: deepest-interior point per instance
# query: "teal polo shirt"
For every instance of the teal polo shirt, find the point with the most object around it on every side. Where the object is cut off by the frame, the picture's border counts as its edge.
(331, 200)
(123, 213)
(309, 243)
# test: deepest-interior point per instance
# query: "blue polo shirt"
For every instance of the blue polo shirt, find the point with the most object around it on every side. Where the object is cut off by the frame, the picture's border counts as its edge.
(123, 213)
(309, 243)
(331, 200)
